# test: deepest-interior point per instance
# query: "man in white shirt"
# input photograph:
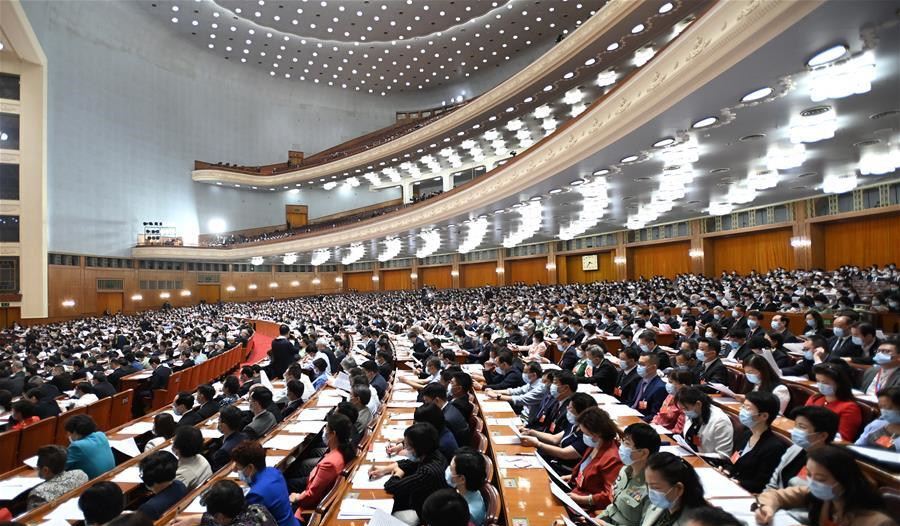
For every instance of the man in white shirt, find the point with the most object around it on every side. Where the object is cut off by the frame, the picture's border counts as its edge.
(525, 398)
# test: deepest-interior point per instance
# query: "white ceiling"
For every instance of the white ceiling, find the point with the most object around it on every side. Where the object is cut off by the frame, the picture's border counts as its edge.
(371, 46)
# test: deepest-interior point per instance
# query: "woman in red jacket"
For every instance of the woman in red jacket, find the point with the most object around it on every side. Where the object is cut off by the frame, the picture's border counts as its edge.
(23, 414)
(670, 416)
(336, 436)
(593, 477)
(835, 394)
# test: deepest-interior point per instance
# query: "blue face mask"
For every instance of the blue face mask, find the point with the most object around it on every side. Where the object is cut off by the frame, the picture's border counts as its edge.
(588, 441)
(411, 456)
(449, 391)
(670, 388)
(882, 358)
(690, 413)
(244, 478)
(554, 390)
(701, 356)
(579, 353)
(752, 324)
(625, 342)
(525, 378)
(891, 416)
(659, 499)
(448, 477)
(746, 417)
(644, 347)
(735, 314)
(825, 389)
(625, 455)
(570, 417)
(800, 437)
(811, 323)
(753, 378)
(641, 370)
(776, 326)
(808, 354)
(856, 340)
(822, 491)
(838, 332)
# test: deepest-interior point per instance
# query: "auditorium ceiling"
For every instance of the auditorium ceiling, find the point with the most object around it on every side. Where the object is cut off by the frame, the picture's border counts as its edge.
(371, 46)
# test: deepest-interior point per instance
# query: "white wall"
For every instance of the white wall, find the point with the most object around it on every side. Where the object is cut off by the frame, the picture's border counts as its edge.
(131, 106)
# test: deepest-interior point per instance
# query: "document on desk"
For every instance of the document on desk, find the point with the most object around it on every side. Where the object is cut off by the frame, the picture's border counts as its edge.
(283, 442)
(683, 443)
(328, 401)
(126, 447)
(518, 462)
(383, 518)
(619, 410)
(678, 451)
(364, 508)
(379, 454)
(717, 485)
(342, 381)
(67, 511)
(660, 429)
(506, 440)
(273, 460)
(13, 487)
(886, 456)
(313, 415)
(496, 407)
(605, 399)
(392, 432)
(398, 404)
(405, 396)
(403, 416)
(588, 388)
(504, 421)
(194, 507)
(130, 475)
(206, 432)
(361, 479)
(137, 428)
(31, 462)
(551, 472)
(740, 509)
(308, 428)
(565, 499)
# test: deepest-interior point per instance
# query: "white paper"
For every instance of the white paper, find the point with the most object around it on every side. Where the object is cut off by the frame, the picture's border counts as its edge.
(716, 484)
(194, 507)
(660, 429)
(312, 415)
(504, 421)
(551, 472)
(402, 416)
(617, 411)
(68, 510)
(587, 388)
(496, 407)
(206, 432)
(683, 443)
(56, 522)
(506, 440)
(13, 487)
(328, 401)
(564, 497)
(361, 479)
(364, 508)
(882, 455)
(126, 447)
(379, 454)
(383, 518)
(405, 396)
(518, 462)
(676, 450)
(392, 433)
(740, 509)
(342, 381)
(130, 475)
(795, 379)
(31, 462)
(605, 399)
(721, 388)
(283, 442)
(273, 460)
(307, 428)
(137, 428)
(403, 404)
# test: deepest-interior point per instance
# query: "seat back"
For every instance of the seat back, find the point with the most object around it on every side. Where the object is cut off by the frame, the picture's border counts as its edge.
(489, 468)
(99, 411)
(869, 413)
(799, 395)
(36, 435)
(120, 408)
(480, 443)
(736, 426)
(737, 381)
(9, 449)
(492, 506)
(62, 438)
(891, 500)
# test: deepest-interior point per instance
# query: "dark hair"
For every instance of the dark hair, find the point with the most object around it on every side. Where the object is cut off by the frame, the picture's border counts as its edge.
(435, 390)
(768, 378)
(505, 356)
(582, 401)
(681, 376)
(823, 420)
(185, 399)
(159, 467)
(231, 385)
(232, 417)
(342, 428)
(249, 453)
(690, 395)
(224, 497)
(320, 365)
(208, 392)
(52, 457)
(430, 414)
(644, 437)
(597, 421)
(765, 402)
(102, 502)
(674, 470)
(631, 353)
(710, 516)
(370, 366)
(24, 407)
(164, 425)
(891, 393)
(81, 425)
(423, 438)
(188, 441)
(471, 464)
(84, 388)
(262, 396)
(843, 391)
(283, 330)
(859, 494)
(363, 393)
(567, 378)
(464, 380)
(295, 387)
(349, 410)
(712, 344)
(445, 507)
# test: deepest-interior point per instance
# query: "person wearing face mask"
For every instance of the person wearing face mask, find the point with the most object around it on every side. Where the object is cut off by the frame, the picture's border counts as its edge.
(838, 493)
(563, 447)
(51, 464)
(673, 490)
(229, 424)
(863, 334)
(885, 374)
(540, 419)
(163, 429)
(836, 395)
(754, 324)
(89, 449)
(459, 426)
(599, 371)
(593, 477)
(267, 486)
(467, 474)
(780, 324)
(738, 349)
(757, 450)
(569, 353)
(506, 375)
(686, 359)
(710, 368)
(841, 344)
(651, 390)
(626, 338)
(226, 506)
(629, 491)
(815, 325)
(814, 428)
(670, 416)
(706, 314)
(759, 373)
(341, 452)
(708, 428)
(884, 432)
(738, 318)
(263, 420)
(628, 379)
(647, 345)
(526, 398)
(688, 332)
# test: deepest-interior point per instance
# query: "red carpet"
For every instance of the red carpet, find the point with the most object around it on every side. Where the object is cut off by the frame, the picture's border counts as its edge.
(259, 347)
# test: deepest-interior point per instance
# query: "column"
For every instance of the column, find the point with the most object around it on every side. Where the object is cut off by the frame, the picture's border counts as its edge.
(454, 271)
(552, 275)
(376, 276)
(407, 190)
(414, 273)
(447, 180)
(621, 259)
(701, 249)
(338, 279)
(808, 241)
(501, 267)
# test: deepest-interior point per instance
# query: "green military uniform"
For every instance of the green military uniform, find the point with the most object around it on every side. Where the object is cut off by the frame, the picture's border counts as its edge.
(629, 499)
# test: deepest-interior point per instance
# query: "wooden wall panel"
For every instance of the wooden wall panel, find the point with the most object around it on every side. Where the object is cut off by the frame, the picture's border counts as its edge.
(867, 241)
(666, 259)
(209, 293)
(575, 274)
(529, 271)
(437, 277)
(361, 281)
(396, 279)
(760, 251)
(111, 302)
(478, 274)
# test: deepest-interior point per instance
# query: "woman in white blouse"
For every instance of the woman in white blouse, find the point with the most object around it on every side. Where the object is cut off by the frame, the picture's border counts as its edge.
(760, 373)
(85, 395)
(706, 427)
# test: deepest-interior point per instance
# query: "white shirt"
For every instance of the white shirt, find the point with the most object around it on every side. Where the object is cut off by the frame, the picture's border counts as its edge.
(85, 400)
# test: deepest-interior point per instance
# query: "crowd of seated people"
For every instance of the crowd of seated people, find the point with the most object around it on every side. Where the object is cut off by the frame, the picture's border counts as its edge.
(611, 474)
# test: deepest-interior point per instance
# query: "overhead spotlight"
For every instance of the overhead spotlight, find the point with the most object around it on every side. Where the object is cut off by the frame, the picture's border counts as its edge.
(703, 123)
(757, 94)
(828, 55)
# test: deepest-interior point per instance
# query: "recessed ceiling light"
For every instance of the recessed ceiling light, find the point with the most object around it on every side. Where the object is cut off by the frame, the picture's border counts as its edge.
(556, 191)
(665, 8)
(663, 142)
(536, 198)
(703, 123)
(752, 137)
(602, 171)
(577, 182)
(883, 114)
(612, 47)
(629, 159)
(638, 28)
(590, 62)
(719, 170)
(828, 55)
(757, 94)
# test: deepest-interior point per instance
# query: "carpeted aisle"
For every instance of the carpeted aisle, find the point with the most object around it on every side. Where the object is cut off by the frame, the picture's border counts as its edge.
(260, 346)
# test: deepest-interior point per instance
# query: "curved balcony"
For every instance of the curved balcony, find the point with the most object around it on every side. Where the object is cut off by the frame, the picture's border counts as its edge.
(724, 35)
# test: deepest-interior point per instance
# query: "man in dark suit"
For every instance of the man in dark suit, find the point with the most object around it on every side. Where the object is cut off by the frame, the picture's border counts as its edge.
(864, 336)
(505, 376)
(689, 328)
(483, 349)
(706, 314)
(754, 324)
(102, 387)
(207, 406)
(61, 379)
(249, 377)
(539, 419)
(780, 325)
(738, 318)
(710, 369)
(43, 407)
(738, 347)
(569, 353)
(628, 378)
(841, 344)
(159, 379)
(231, 420)
(460, 387)
(419, 349)
(651, 390)
(435, 393)
(600, 371)
(375, 378)
(121, 368)
(647, 344)
(281, 354)
(563, 387)
(15, 383)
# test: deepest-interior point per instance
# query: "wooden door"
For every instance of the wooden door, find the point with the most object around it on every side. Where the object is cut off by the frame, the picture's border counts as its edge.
(109, 301)
(211, 293)
(9, 315)
(296, 215)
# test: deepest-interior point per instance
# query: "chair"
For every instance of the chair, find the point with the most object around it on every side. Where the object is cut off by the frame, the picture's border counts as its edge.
(799, 395)
(737, 381)
(491, 504)
(9, 448)
(489, 468)
(162, 397)
(868, 412)
(120, 408)
(36, 435)
(736, 426)
(62, 439)
(480, 443)
(891, 499)
(476, 424)
(99, 411)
